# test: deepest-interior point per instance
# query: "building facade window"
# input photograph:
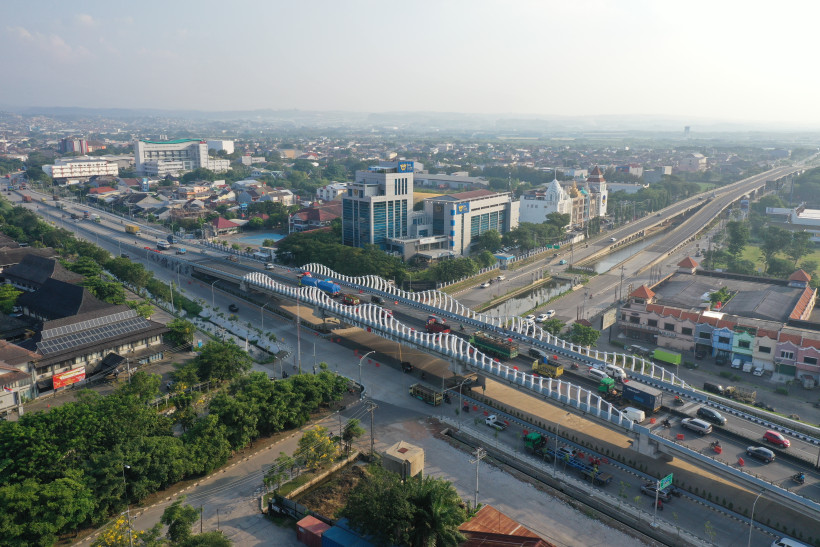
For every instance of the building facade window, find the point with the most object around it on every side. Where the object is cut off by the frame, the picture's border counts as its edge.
(764, 349)
(652, 322)
(705, 335)
(687, 331)
(744, 344)
(635, 320)
(810, 360)
(787, 355)
(669, 327)
(723, 340)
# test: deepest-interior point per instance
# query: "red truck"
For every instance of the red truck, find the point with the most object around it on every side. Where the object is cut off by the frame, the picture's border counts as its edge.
(436, 324)
(27, 199)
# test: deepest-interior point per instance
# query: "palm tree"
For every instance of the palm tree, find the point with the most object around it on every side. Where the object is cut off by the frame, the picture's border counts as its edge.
(437, 513)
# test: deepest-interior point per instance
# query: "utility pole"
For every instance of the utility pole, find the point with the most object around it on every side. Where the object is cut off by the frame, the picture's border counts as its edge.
(621, 286)
(480, 454)
(371, 406)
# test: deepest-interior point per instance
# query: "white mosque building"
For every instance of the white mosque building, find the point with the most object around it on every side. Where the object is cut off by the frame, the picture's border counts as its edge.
(581, 203)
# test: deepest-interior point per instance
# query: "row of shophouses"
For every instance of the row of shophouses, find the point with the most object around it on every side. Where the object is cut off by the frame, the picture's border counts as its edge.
(788, 348)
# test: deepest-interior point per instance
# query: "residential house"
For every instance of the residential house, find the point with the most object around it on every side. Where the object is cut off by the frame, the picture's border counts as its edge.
(17, 379)
(222, 226)
(316, 216)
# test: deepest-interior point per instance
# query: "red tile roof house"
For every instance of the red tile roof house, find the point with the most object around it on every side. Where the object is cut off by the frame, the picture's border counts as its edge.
(224, 226)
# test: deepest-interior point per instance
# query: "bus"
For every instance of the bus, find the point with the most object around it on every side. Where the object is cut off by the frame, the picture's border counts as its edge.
(163, 245)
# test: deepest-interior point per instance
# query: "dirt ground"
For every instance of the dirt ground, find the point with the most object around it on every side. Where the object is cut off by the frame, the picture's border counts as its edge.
(331, 496)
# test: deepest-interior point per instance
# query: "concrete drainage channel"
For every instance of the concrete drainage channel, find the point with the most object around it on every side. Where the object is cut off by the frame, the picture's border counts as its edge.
(629, 520)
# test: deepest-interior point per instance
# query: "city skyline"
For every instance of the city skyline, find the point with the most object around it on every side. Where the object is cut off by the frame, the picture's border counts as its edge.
(728, 61)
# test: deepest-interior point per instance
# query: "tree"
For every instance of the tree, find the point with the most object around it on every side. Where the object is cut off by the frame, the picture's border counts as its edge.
(181, 332)
(583, 335)
(488, 241)
(85, 266)
(378, 507)
(144, 309)
(179, 519)
(553, 326)
(222, 361)
(485, 259)
(351, 432)
(107, 291)
(119, 535)
(281, 468)
(799, 246)
(316, 448)
(775, 239)
(738, 237)
(8, 297)
(417, 512)
(437, 513)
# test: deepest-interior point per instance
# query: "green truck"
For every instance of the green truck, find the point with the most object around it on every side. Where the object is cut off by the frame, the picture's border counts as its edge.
(667, 356)
(495, 346)
(426, 394)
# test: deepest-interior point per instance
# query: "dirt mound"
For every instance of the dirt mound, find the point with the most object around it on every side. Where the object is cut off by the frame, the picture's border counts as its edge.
(331, 495)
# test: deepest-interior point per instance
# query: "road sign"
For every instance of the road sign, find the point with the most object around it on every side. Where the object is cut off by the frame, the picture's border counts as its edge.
(666, 481)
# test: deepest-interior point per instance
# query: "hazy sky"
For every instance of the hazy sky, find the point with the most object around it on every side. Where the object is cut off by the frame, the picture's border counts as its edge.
(721, 59)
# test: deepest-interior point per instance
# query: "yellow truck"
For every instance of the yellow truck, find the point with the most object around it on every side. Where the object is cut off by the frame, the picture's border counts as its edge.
(132, 229)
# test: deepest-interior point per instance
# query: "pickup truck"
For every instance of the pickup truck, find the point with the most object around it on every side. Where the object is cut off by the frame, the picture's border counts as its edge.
(493, 421)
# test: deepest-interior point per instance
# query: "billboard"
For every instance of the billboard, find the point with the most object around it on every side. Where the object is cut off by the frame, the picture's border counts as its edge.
(405, 167)
(462, 208)
(609, 318)
(67, 378)
(144, 185)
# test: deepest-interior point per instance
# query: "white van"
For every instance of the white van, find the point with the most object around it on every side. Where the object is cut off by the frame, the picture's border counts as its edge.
(786, 542)
(598, 374)
(736, 363)
(615, 372)
(635, 414)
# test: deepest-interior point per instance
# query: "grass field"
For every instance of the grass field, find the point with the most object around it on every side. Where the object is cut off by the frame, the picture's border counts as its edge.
(751, 252)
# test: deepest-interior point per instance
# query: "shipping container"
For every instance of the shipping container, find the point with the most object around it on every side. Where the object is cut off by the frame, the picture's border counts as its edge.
(643, 396)
(309, 531)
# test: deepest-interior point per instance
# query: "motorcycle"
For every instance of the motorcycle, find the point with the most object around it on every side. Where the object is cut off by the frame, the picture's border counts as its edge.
(678, 400)
(716, 448)
(447, 398)
(574, 366)
(799, 478)
(666, 424)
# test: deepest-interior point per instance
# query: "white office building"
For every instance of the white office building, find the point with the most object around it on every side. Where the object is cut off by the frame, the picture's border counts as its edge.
(80, 168)
(161, 158)
(218, 145)
(331, 191)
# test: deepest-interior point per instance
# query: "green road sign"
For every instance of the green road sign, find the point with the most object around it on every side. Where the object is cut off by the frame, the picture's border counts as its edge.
(666, 481)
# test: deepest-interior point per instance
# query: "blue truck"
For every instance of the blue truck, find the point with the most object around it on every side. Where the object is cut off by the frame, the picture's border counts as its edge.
(326, 285)
(643, 396)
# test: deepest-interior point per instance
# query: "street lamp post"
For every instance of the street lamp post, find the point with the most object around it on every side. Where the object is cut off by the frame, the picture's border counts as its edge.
(262, 313)
(213, 305)
(555, 456)
(752, 518)
(360, 368)
(127, 505)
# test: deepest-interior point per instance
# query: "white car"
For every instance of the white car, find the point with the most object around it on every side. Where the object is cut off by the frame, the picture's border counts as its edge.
(549, 313)
(543, 317)
(758, 371)
(485, 285)
(530, 318)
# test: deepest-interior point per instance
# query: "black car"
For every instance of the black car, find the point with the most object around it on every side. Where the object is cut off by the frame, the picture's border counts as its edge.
(711, 415)
(233, 307)
(761, 453)
(377, 299)
(717, 388)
